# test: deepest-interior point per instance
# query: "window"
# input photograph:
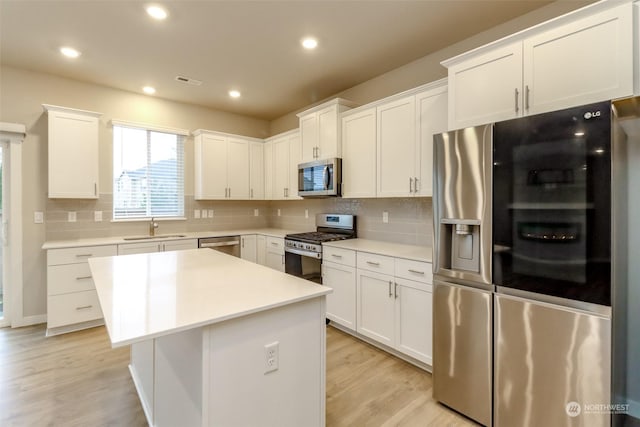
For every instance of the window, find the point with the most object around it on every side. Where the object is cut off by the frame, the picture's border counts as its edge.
(148, 172)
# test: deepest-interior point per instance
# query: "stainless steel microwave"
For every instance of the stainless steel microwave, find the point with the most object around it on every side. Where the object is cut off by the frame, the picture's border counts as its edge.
(320, 178)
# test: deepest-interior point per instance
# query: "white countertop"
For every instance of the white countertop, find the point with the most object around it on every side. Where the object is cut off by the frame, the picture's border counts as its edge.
(98, 241)
(416, 253)
(145, 296)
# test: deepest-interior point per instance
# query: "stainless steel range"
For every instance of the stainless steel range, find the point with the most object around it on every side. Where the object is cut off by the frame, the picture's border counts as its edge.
(303, 251)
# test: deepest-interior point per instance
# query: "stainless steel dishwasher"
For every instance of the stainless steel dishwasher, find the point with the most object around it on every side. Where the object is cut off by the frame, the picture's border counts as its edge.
(227, 244)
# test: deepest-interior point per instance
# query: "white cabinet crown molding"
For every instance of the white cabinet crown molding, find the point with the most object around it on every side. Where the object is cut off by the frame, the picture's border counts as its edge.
(57, 108)
(225, 134)
(13, 130)
(283, 134)
(536, 29)
(335, 101)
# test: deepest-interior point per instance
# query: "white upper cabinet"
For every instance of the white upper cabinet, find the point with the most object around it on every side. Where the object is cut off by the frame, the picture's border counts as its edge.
(388, 147)
(268, 170)
(585, 61)
(396, 134)
(320, 130)
(221, 165)
(582, 57)
(359, 154)
(486, 88)
(283, 154)
(73, 153)
(256, 170)
(431, 119)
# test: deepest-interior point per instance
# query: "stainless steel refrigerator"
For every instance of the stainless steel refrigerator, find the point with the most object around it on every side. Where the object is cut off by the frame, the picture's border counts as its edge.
(530, 238)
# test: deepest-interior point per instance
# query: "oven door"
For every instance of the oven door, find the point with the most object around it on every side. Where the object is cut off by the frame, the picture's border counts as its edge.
(307, 266)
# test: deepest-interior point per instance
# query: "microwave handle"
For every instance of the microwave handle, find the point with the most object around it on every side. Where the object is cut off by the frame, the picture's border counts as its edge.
(325, 177)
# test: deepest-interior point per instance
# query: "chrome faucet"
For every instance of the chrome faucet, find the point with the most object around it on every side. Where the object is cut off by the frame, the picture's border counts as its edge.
(152, 227)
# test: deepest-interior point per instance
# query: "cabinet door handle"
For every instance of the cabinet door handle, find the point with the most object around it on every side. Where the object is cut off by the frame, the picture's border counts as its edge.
(83, 255)
(395, 289)
(83, 307)
(336, 256)
(390, 293)
(274, 243)
(95, 188)
(410, 185)
(373, 263)
(526, 98)
(243, 242)
(83, 277)
(416, 271)
(229, 192)
(415, 184)
(517, 100)
(282, 259)
(252, 193)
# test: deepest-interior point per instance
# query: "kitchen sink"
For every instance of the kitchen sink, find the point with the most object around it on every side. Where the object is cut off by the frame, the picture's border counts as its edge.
(159, 236)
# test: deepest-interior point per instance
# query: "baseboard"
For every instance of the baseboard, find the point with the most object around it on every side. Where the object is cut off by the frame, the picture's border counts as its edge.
(29, 320)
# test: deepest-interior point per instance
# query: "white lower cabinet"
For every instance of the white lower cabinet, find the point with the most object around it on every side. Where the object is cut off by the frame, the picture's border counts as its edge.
(248, 247)
(261, 249)
(72, 301)
(156, 246)
(393, 302)
(275, 253)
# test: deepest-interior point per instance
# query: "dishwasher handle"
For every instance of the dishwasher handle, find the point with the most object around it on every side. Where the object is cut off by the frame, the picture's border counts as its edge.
(219, 244)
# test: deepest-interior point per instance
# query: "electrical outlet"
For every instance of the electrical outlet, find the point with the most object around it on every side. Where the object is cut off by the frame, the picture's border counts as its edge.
(256, 212)
(72, 217)
(271, 357)
(97, 216)
(210, 213)
(306, 213)
(278, 212)
(196, 213)
(385, 217)
(38, 218)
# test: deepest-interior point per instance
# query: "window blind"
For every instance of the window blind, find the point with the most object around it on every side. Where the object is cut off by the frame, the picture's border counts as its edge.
(148, 173)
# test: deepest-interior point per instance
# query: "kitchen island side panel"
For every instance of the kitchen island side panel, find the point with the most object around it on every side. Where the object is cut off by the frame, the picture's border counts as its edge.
(237, 389)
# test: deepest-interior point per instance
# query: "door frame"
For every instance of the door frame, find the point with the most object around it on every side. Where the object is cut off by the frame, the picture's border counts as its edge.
(12, 135)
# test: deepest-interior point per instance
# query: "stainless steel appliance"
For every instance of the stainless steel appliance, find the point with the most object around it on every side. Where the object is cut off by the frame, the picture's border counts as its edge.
(320, 178)
(463, 292)
(227, 244)
(552, 211)
(530, 230)
(303, 251)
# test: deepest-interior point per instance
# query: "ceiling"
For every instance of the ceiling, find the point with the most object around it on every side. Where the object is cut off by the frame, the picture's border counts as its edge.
(251, 46)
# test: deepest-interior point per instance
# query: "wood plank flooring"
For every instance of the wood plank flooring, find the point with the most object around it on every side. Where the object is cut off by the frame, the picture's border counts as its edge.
(78, 380)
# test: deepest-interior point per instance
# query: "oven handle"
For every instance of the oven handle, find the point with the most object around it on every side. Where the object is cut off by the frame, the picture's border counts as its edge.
(325, 177)
(304, 253)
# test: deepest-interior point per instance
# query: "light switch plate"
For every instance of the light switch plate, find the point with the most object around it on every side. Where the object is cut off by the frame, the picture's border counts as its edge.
(385, 217)
(72, 216)
(210, 213)
(256, 212)
(97, 216)
(196, 213)
(38, 217)
(306, 213)
(278, 212)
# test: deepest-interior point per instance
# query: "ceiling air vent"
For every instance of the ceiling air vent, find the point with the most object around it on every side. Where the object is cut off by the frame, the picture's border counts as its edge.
(188, 81)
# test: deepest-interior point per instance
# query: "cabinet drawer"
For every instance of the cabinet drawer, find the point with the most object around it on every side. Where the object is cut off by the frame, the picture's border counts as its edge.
(75, 255)
(72, 308)
(414, 270)
(275, 245)
(372, 262)
(339, 256)
(64, 279)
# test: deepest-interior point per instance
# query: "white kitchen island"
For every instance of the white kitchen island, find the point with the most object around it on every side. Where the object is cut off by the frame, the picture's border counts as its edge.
(199, 321)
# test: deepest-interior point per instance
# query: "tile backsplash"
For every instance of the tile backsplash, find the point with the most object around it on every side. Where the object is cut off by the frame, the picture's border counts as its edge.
(409, 219)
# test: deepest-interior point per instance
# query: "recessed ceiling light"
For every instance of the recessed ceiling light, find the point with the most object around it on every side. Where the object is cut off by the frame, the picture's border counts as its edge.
(309, 43)
(157, 12)
(579, 133)
(234, 94)
(149, 90)
(69, 52)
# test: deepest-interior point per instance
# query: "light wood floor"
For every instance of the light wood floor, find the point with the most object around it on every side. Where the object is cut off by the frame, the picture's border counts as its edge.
(78, 380)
